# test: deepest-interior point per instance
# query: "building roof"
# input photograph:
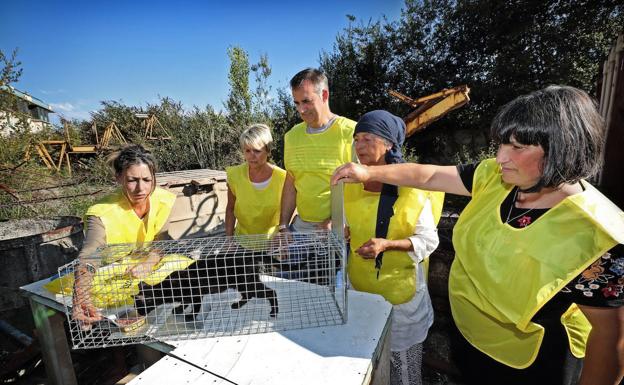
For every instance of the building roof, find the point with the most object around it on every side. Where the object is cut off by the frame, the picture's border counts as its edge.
(28, 98)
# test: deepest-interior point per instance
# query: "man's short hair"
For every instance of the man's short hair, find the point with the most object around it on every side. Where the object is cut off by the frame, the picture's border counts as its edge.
(313, 75)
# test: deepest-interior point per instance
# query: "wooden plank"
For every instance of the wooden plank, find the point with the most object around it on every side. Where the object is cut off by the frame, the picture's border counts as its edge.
(69, 169)
(61, 157)
(435, 111)
(199, 176)
(42, 154)
(53, 141)
(83, 149)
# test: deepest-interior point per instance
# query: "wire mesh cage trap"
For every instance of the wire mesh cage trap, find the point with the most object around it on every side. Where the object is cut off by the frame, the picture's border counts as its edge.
(206, 287)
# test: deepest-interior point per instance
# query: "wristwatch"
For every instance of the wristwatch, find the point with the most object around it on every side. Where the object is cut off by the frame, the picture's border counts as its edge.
(282, 228)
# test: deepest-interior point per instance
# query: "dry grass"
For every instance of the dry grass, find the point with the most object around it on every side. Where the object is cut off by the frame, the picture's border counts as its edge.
(33, 191)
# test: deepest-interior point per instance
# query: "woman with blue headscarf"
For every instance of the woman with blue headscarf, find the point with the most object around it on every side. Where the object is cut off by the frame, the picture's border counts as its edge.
(392, 232)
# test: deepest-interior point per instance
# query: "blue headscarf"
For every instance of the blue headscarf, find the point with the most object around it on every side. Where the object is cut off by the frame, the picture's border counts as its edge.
(387, 126)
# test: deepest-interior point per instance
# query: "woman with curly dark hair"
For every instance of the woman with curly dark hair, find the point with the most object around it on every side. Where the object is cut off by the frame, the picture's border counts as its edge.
(136, 212)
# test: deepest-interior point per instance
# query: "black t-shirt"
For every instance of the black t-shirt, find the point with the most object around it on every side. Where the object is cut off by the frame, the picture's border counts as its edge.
(600, 285)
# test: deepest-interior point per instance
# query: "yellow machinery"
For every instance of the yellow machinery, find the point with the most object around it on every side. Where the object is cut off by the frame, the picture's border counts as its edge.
(432, 107)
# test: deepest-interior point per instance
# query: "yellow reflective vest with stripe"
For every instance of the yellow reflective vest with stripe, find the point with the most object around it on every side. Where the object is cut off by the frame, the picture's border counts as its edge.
(311, 159)
(397, 276)
(502, 276)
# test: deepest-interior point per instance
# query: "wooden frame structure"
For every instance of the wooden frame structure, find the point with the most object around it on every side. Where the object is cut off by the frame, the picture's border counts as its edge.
(151, 124)
(151, 130)
(611, 91)
(66, 148)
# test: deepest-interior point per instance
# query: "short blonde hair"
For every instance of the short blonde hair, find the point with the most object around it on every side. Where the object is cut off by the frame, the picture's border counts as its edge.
(257, 136)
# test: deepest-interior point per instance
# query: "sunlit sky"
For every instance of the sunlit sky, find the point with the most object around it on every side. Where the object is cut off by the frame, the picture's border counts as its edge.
(75, 54)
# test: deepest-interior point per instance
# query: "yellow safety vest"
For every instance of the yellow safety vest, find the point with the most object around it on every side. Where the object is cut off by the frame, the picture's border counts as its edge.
(121, 223)
(397, 277)
(502, 276)
(311, 159)
(111, 286)
(256, 211)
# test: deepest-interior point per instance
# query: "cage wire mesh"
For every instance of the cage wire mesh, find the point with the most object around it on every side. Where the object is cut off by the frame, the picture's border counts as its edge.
(207, 287)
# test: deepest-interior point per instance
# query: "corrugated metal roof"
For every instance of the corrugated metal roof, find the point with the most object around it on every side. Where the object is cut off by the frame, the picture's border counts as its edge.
(29, 98)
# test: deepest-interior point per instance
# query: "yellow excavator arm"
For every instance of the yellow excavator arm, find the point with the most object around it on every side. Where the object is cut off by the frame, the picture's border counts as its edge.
(432, 107)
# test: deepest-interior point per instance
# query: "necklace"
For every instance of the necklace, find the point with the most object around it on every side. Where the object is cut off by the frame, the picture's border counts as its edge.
(513, 204)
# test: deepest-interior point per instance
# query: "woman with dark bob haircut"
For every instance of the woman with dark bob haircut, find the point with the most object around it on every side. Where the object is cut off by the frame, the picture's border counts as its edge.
(536, 284)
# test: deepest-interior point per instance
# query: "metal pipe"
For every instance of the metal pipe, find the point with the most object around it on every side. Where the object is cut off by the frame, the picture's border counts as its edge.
(15, 333)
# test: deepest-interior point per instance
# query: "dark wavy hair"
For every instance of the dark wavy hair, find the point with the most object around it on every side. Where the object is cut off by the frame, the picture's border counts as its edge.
(132, 154)
(565, 122)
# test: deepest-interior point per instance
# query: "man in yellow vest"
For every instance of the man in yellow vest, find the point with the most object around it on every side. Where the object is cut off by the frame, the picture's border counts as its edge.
(312, 150)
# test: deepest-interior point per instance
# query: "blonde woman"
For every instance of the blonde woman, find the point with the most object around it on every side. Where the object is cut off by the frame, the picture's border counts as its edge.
(254, 187)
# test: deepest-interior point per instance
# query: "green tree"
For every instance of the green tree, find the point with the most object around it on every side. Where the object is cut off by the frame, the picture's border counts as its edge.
(261, 95)
(11, 70)
(359, 67)
(201, 138)
(10, 73)
(15, 134)
(284, 115)
(238, 104)
(505, 49)
(499, 49)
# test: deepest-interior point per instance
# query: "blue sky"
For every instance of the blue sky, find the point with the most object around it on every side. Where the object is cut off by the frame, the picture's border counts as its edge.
(75, 54)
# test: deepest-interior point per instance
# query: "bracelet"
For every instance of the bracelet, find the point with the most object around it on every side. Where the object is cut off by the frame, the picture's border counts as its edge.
(282, 227)
(90, 268)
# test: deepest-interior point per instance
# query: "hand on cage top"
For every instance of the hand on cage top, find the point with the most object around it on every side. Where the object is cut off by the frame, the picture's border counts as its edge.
(279, 245)
(325, 225)
(350, 173)
(371, 248)
(144, 268)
